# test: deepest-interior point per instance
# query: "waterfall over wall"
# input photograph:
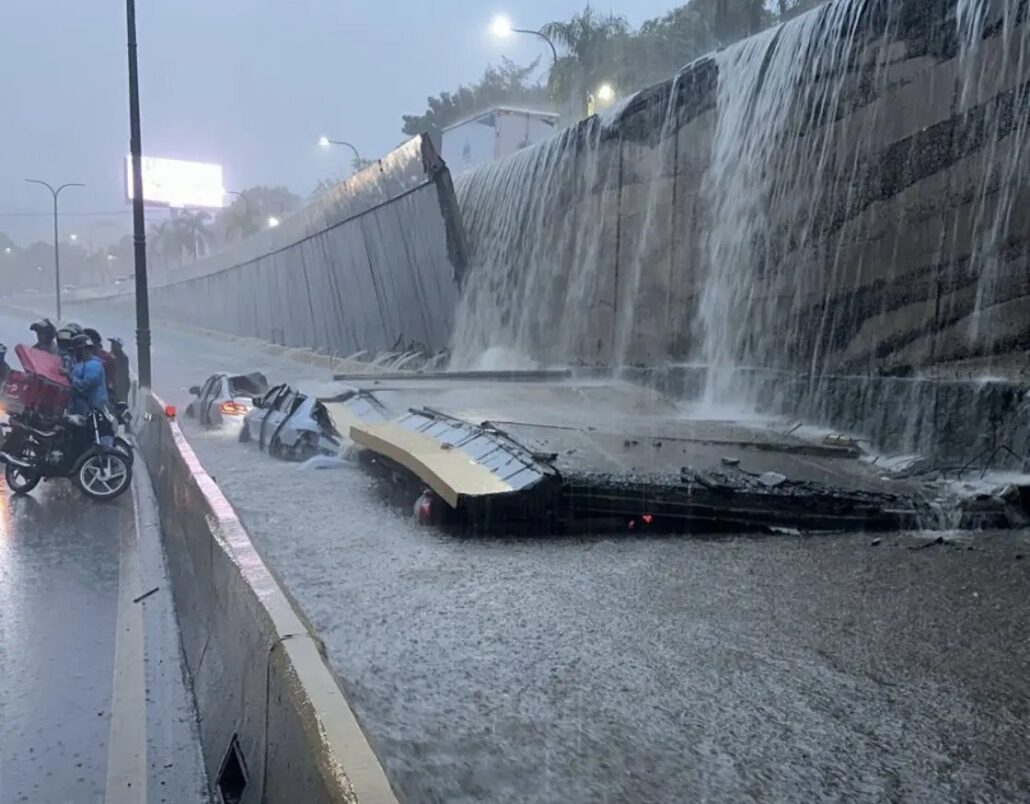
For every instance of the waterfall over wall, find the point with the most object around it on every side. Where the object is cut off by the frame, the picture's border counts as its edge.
(846, 192)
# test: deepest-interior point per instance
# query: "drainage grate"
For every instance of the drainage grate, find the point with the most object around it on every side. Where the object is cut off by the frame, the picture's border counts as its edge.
(232, 777)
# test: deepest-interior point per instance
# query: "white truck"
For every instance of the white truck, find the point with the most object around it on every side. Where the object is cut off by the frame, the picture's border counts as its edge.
(494, 134)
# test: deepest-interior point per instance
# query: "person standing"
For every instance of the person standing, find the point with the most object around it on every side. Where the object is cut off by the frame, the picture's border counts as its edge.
(87, 378)
(121, 381)
(46, 332)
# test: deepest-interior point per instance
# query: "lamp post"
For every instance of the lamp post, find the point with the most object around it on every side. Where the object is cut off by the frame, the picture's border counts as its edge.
(57, 246)
(139, 230)
(502, 28)
(325, 142)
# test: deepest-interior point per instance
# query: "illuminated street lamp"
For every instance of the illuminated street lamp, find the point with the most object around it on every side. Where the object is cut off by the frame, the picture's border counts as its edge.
(325, 142)
(606, 93)
(273, 221)
(73, 237)
(501, 28)
(7, 250)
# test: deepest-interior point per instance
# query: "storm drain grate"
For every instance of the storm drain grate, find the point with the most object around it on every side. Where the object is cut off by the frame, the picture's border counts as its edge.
(232, 777)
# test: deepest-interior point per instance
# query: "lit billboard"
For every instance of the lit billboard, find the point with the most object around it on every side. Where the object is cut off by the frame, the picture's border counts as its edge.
(178, 183)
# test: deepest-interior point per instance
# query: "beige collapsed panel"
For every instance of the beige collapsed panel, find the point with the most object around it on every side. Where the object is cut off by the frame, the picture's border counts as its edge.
(450, 473)
(343, 417)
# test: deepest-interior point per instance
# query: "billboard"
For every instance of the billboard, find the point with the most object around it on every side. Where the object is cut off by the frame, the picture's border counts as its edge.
(178, 183)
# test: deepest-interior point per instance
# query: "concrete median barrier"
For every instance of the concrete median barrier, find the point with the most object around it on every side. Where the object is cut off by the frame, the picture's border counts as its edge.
(274, 725)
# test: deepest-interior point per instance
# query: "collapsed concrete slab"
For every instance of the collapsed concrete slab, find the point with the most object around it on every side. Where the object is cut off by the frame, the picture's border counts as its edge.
(561, 455)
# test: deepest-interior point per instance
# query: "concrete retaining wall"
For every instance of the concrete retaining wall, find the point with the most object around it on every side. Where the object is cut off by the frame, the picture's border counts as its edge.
(845, 193)
(258, 672)
(374, 264)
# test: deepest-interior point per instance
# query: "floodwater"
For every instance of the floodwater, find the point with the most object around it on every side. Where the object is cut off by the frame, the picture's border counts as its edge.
(611, 667)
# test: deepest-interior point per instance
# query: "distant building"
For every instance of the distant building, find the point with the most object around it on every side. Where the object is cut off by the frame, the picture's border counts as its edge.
(494, 134)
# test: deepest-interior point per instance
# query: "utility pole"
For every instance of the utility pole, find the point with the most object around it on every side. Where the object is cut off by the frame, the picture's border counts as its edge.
(57, 245)
(139, 231)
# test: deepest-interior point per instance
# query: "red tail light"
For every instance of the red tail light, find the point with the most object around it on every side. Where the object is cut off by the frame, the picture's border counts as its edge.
(233, 409)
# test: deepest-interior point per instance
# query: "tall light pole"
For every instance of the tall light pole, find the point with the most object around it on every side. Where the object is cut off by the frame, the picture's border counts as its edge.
(501, 28)
(57, 245)
(139, 230)
(325, 142)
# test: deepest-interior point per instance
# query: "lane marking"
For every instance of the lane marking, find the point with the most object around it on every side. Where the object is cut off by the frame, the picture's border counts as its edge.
(127, 740)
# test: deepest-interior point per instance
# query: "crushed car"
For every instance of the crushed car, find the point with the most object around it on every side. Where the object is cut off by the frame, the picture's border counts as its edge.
(290, 425)
(225, 396)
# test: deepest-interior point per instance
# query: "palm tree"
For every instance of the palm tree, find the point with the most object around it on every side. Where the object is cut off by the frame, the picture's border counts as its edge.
(192, 232)
(592, 42)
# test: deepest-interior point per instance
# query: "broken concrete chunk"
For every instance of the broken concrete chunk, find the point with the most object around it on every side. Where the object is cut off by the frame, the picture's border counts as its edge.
(771, 479)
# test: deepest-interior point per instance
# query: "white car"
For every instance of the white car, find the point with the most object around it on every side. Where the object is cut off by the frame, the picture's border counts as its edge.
(225, 396)
(291, 425)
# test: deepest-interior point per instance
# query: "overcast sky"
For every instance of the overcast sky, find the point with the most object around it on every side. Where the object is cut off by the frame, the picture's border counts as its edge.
(247, 83)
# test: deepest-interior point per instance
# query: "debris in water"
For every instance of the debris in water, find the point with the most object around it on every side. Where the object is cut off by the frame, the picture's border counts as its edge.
(323, 462)
(771, 479)
(731, 461)
(145, 595)
(876, 542)
(938, 540)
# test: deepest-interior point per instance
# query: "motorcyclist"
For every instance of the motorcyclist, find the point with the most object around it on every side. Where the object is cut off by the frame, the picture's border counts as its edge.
(104, 356)
(45, 334)
(88, 382)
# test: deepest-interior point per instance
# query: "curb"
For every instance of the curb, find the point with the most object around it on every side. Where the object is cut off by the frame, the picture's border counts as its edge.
(270, 711)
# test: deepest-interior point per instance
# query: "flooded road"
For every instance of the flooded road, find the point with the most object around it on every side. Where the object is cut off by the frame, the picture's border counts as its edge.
(613, 667)
(93, 705)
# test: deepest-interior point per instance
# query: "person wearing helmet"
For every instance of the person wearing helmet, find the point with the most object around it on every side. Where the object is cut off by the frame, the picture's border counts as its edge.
(45, 334)
(64, 346)
(89, 384)
(104, 356)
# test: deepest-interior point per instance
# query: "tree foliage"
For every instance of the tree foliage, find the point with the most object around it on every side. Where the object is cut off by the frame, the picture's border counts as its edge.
(596, 48)
(507, 83)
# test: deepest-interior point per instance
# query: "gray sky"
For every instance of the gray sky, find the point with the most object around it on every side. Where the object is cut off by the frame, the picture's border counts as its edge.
(247, 83)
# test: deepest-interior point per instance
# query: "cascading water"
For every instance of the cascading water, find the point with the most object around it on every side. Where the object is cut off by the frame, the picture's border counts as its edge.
(1002, 155)
(783, 204)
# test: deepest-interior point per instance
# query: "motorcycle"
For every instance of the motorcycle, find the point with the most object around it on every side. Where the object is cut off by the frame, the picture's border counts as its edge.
(41, 442)
(71, 446)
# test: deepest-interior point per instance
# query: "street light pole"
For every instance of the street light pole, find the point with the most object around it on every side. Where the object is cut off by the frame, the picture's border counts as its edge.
(542, 35)
(325, 142)
(139, 231)
(57, 247)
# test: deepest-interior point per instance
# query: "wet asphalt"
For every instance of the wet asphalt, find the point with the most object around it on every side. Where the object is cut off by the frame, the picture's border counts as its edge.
(613, 667)
(60, 576)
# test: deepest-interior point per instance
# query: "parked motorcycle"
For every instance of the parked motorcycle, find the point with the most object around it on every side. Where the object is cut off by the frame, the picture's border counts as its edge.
(72, 447)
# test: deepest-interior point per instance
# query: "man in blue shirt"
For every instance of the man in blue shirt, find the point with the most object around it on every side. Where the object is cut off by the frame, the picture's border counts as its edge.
(87, 378)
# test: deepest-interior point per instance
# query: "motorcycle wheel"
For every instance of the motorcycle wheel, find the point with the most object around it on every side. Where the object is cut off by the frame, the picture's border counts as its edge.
(21, 481)
(103, 474)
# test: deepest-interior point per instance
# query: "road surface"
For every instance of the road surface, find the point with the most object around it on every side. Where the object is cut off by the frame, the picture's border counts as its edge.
(93, 704)
(611, 667)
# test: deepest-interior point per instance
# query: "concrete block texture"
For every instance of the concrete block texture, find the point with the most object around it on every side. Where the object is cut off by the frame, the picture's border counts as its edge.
(848, 190)
(258, 674)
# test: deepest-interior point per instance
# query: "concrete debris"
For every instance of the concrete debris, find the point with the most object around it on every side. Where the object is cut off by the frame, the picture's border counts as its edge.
(731, 461)
(876, 542)
(771, 479)
(933, 543)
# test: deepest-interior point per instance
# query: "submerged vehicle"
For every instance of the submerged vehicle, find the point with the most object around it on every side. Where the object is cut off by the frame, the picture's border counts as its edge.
(225, 396)
(291, 425)
(41, 441)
